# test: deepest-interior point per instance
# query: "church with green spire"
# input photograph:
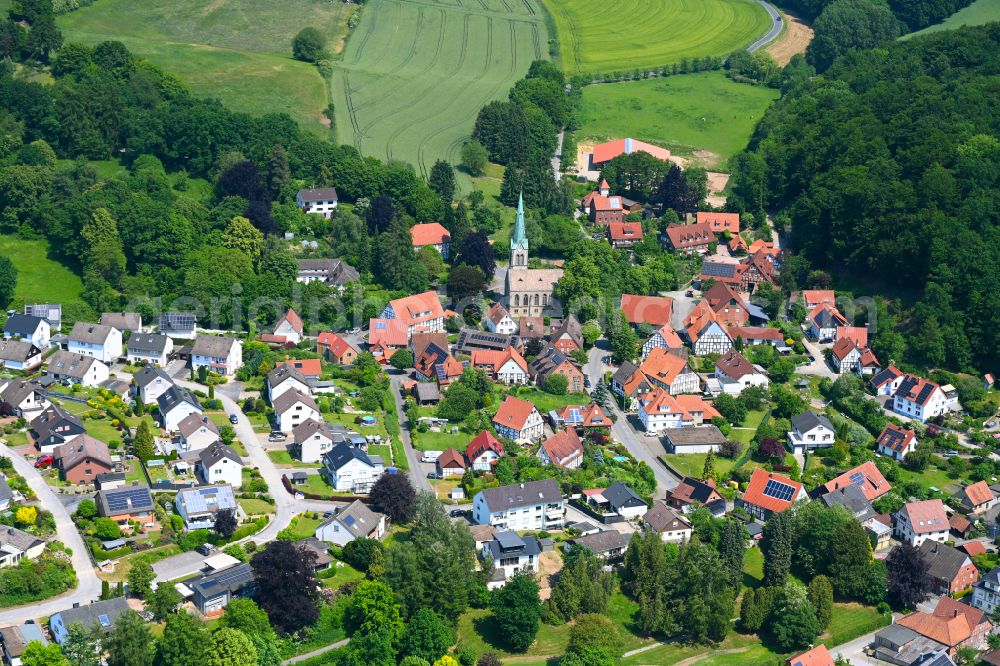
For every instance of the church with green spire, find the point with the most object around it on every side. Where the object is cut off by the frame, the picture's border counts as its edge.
(529, 290)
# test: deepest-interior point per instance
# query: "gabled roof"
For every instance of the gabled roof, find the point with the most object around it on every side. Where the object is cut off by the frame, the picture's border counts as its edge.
(916, 389)
(429, 233)
(625, 231)
(943, 561)
(886, 376)
(149, 374)
(669, 336)
(174, 396)
(387, 333)
(733, 364)
(852, 498)
(948, 607)
(289, 398)
(826, 316)
(70, 455)
(661, 402)
(213, 345)
(22, 325)
(451, 459)
(207, 498)
(123, 321)
(283, 373)
(661, 518)
(818, 656)
(193, 422)
(751, 333)
(662, 366)
(570, 328)
(584, 416)
(859, 334)
(318, 194)
(343, 453)
(563, 447)
(814, 297)
(771, 491)
(692, 404)
(497, 313)
(496, 359)
(806, 421)
(691, 490)
(550, 360)
(514, 413)
(843, 347)
(683, 236)
(865, 477)
(308, 367)
(216, 452)
(418, 308)
(482, 442)
(18, 350)
(607, 151)
(977, 493)
(70, 364)
(357, 519)
(950, 632)
(293, 319)
(310, 427)
(127, 499)
(148, 342)
(720, 221)
(519, 495)
(619, 495)
(654, 310)
(601, 542)
(101, 613)
(926, 516)
(90, 333)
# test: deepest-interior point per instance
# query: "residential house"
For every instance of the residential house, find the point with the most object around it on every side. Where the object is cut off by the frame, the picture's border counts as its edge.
(200, 506)
(664, 338)
(195, 433)
(285, 378)
(817, 656)
(737, 246)
(126, 504)
(919, 399)
(568, 336)
(814, 297)
(36, 330)
(331, 272)
(290, 327)
(630, 384)
(563, 449)
(435, 363)
(690, 238)
(917, 522)
(603, 208)
(607, 544)
(529, 328)
(149, 348)
(123, 321)
(757, 268)
(554, 362)
(669, 372)
(851, 498)
(450, 463)
(213, 591)
(17, 545)
(623, 235)
(718, 271)
(220, 464)
(986, 593)
(349, 469)
(720, 222)
(532, 505)
(217, 353)
(470, 339)
(292, 408)
(498, 320)
(866, 477)
(6, 494)
(507, 367)
(668, 523)
(886, 382)
(312, 439)
(354, 521)
(310, 368)
(100, 614)
(511, 554)
(581, 417)
(977, 498)
(810, 431)
(699, 411)
(431, 234)
(53, 427)
(651, 310)
(319, 200)
(729, 307)
(21, 355)
(691, 493)
(769, 492)
(952, 630)
(335, 349)
(178, 324)
(150, 383)
(659, 411)
(706, 333)
(518, 420)
(15, 640)
(757, 335)
(484, 451)
(82, 460)
(736, 373)
(823, 321)
(624, 501)
(419, 312)
(50, 312)
(21, 398)
(950, 569)
(607, 151)
(176, 404)
(70, 368)
(101, 342)
(693, 439)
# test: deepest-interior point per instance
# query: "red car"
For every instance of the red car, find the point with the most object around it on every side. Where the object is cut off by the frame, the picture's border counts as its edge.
(43, 461)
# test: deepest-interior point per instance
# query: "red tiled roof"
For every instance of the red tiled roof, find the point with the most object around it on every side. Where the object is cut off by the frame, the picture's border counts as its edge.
(720, 221)
(843, 347)
(868, 359)
(755, 333)
(818, 656)
(690, 235)
(834, 313)
(926, 516)
(959, 523)
(513, 413)
(654, 310)
(270, 338)
(484, 441)
(563, 447)
(451, 459)
(859, 334)
(599, 202)
(418, 308)
(760, 244)
(592, 415)
(293, 320)
(691, 404)
(737, 243)
(978, 493)
(948, 631)
(947, 607)
(661, 402)
(310, 367)
(495, 359)
(662, 366)
(387, 333)
(337, 345)
(625, 231)
(973, 548)
(814, 297)
(755, 491)
(872, 484)
(497, 313)
(430, 233)
(670, 336)
(605, 152)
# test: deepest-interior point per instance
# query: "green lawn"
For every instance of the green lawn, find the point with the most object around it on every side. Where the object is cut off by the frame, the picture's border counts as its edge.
(593, 37)
(695, 112)
(692, 464)
(476, 629)
(40, 279)
(546, 402)
(284, 459)
(442, 441)
(316, 485)
(303, 528)
(343, 574)
(255, 507)
(978, 13)
(234, 50)
(850, 621)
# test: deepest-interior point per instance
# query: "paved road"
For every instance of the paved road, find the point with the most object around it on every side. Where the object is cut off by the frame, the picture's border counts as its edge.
(818, 367)
(417, 476)
(316, 652)
(557, 157)
(88, 586)
(775, 30)
(855, 650)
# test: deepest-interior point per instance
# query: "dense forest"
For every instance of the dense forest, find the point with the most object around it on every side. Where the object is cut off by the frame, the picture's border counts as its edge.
(915, 14)
(888, 168)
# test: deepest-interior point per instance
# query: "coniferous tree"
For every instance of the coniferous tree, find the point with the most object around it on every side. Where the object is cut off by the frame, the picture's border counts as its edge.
(732, 549)
(777, 548)
(821, 597)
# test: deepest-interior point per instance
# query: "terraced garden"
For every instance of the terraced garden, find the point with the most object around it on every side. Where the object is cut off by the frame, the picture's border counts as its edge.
(606, 37)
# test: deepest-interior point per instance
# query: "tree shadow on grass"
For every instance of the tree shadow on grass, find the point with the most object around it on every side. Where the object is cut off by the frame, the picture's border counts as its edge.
(491, 634)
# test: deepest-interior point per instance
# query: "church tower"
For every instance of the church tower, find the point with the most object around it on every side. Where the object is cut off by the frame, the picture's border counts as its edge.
(519, 241)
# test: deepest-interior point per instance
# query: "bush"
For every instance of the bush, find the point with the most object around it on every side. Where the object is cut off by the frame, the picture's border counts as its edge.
(309, 45)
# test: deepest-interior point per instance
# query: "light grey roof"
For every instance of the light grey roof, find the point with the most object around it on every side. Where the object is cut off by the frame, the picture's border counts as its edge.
(22, 325)
(207, 499)
(356, 518)
(310, 427)
(123, 321)
(70, 364)
(283, 373)
(289, 398)
(602, 542)
(193, 421)
(215, 346)
(216, 452)
(806, 421)
(853, 499)
(17, 350)
(16, 639)
(95, 334)
(428, 391)
(518, 495)
(101, 613)
(344, 453)
(318, 194)
(619, 495)
(6, 494)
(147, 342)
(149, 374)
(11, 536)
(174, 396)
(695, 435)
(897, 634)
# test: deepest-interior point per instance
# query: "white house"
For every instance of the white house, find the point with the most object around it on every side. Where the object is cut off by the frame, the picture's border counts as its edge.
(22, 398)
(36, 330)
(290, 327)
(16, 545)
(917, 522)
(150, 348)
(659, 411)
(419, 313)
(73, 368)
(349, 469)
(498, 320)
(292, 408)
(823, 322)
(20, 355)
(919, 399)
(483, 452)
(286, 378)
(710, 338)
(320, 200)
(518, 420)
(736, 373)
(354, 521)
(532, 505)
(53, 427)
(664, 338)
(200, 506)
(431, 234)
(887, 381)
(510, 555)
(507, 366)
(101, 614)
(176, 404)
(624, 501)
(101, 342)
(810, 431)
(16, 639)
(672, 526)
(220, 464)
(196, 432)
(150, 383)
(219, 354)
(313, 438)
(896, 442)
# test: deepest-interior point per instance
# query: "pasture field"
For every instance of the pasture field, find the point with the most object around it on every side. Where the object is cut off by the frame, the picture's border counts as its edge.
(978, 13)
(705, 115)
(599, 37)
(238, 51)
(416, 72)
(39, 278)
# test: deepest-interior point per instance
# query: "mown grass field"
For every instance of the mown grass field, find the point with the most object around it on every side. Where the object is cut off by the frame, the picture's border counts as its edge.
(39, 278)
(415, 73)
(605, 37)
(704, 114)
(978, 13)
(234, 50)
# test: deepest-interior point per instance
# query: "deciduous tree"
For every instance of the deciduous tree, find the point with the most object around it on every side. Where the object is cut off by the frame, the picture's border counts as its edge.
(516, 610)
(286, 585)
(393, 495)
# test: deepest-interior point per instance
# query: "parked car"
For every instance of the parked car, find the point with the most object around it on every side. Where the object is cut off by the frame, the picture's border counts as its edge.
(433, 475)
(234, 419)
(950, 453)
(43, 461)
(204, 549)
(586, 382)
(456, 513)
(277, 436)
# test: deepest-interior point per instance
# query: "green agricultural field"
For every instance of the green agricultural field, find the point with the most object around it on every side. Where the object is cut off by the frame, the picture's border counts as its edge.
(599, 37)
(39, 278)
(234, 50)
(978, 13)
(706, 115)
(415, 73)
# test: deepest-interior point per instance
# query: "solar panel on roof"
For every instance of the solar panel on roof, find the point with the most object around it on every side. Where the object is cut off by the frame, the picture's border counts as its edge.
(779, 490)
(857, 478)
(104, 620)
(925, 392)
(380, 325)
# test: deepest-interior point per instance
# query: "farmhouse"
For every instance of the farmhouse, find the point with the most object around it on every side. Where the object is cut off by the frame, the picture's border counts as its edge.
(518, 420)
(605, 152)
(729, 307)
(664, 338)
(659, 411)
(977, 498)
(386, 336)
(431, 234)
(418, 313)
(450, 463)
(507, 367)
(719, 222)
(652, 310)
(690, 238)
(669, 372)
(321, 201)
(823, 322)
(705, 333)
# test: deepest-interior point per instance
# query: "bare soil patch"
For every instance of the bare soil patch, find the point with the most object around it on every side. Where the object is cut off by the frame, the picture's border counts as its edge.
(794, 39)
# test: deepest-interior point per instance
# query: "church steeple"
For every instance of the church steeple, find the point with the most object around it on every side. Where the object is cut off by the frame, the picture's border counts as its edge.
(519, 240)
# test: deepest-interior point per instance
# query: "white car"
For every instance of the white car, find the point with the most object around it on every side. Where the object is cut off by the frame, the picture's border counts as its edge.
(430, 456)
